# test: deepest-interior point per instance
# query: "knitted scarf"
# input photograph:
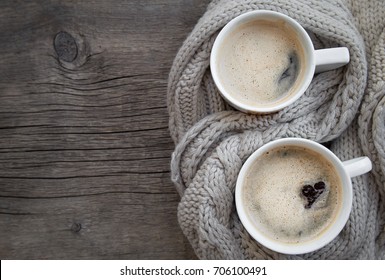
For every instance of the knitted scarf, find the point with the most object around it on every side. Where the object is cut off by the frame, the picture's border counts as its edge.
(343, 107)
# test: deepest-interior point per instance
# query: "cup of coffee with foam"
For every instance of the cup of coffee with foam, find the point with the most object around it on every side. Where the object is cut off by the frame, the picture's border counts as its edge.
(263, 61)
(294, 195)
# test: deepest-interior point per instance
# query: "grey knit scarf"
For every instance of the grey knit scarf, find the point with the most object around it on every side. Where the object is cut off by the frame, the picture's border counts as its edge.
(344, 107)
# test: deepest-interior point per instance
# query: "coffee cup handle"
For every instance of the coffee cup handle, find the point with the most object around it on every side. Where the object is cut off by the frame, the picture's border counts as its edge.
(357, 166)
(332, 58)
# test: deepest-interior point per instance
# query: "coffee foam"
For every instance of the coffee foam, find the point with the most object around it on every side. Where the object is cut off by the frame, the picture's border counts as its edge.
(273, 194)
(260, 62)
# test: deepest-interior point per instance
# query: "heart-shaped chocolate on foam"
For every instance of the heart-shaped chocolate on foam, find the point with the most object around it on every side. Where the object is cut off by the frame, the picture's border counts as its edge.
(312, 193)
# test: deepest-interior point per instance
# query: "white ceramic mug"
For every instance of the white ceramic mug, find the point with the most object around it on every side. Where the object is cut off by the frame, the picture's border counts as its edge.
(314, 60)
(345, 170)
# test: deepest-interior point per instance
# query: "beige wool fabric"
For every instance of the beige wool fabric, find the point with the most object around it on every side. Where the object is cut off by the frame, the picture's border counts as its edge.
(344, 107)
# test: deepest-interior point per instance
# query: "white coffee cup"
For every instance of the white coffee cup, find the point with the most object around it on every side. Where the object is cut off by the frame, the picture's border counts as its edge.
(345, 171)
(313, 60)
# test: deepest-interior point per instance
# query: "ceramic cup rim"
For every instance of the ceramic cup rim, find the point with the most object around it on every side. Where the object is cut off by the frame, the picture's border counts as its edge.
(304, 38)
(331, 232)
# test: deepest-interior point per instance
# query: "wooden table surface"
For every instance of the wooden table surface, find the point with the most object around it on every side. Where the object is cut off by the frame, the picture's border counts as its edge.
(84, 141)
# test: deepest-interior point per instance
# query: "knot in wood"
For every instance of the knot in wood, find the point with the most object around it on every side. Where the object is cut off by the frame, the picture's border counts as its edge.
(76, 227)
(65, 46)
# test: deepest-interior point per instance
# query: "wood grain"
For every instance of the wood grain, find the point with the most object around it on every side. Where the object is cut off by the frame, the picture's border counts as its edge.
(84, 141)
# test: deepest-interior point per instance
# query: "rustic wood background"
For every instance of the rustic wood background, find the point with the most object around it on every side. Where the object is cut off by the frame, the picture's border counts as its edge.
(84, 141)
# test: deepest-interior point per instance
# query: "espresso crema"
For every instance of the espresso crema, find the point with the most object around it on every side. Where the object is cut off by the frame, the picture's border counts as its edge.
(261, 62)
(276, 198)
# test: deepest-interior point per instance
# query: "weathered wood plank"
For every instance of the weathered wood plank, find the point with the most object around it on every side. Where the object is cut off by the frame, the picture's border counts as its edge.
(84, 141)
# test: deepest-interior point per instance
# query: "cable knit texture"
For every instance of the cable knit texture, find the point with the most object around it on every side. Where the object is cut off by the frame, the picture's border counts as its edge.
(344, 107)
